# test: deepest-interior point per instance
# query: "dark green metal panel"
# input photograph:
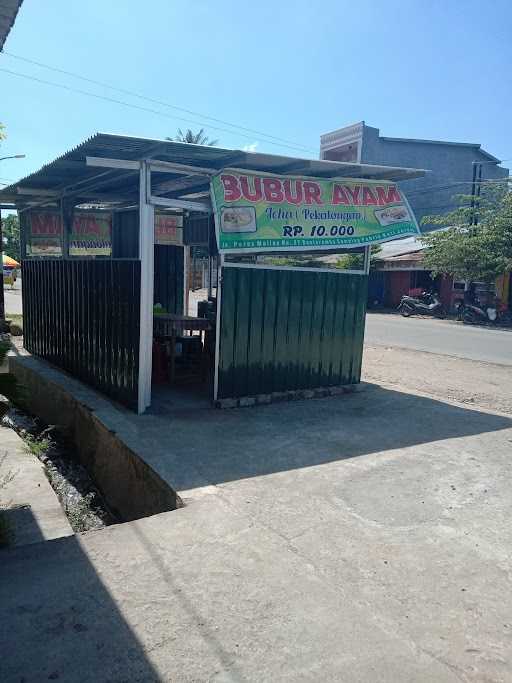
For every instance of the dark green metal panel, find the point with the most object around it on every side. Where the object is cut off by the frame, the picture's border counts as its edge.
(197, 229)
(83, 316)
(268, 331)
(227, 332)
(362, 297)
(285, 330)
(125, 234)
(281, 341)
(169, 274)
(254, 363)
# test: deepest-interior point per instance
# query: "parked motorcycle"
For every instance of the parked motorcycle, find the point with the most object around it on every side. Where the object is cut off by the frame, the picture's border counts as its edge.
(475, 313)
(428, 303)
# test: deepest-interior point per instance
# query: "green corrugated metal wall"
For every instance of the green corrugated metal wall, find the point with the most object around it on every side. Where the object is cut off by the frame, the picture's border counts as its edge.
(285, 330)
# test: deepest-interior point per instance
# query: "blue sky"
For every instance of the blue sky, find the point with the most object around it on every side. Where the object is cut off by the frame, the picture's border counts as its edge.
(413, 68)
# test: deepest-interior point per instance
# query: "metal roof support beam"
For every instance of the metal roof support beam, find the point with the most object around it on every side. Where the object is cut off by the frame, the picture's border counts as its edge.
(34, 205)
(180, 204)
(184, 169)
(35, 192)
(185, 191)
(95, 183)
(160, 166)
(125, 164)
(180, 184)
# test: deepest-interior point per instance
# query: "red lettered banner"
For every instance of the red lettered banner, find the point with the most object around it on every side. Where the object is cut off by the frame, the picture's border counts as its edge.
(257, 212)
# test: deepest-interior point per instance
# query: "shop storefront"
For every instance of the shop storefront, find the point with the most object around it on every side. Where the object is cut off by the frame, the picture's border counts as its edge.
(108, 247)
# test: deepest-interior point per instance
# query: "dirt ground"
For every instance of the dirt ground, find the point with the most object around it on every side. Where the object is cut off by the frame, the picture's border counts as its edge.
(466, 381)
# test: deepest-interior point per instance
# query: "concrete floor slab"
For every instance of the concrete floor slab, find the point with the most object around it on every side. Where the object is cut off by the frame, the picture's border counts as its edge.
(207, 595)
(360, 538)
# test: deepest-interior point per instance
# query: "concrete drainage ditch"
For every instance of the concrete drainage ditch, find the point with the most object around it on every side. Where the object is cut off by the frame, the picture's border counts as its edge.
(128, 485)
(82, 502)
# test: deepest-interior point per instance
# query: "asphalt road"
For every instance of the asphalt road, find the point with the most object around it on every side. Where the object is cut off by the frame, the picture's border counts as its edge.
(491, 345)
(12, 298)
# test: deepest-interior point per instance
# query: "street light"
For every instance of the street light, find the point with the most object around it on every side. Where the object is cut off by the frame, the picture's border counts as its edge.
(14, 156)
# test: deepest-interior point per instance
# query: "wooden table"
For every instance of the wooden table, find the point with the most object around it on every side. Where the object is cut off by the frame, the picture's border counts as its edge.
(170, 326)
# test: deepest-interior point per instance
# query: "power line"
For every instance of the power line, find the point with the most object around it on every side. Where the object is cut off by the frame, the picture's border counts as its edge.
(132, 93)
(455, 183)
(132, 106)
(432, 208)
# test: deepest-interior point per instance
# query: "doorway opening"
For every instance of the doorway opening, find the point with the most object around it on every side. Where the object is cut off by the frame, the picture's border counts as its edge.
(184, 316)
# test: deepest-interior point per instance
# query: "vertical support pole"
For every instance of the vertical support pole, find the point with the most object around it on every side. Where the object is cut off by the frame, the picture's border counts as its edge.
(25, 227)
(147, 267)
(478, 190)
(220, 270)
(210, 274)
(65, 227)
(186, 268)
(366, 261)
(473, 193)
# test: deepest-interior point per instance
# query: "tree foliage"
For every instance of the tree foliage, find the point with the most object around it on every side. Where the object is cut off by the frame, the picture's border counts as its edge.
(477, 244)
(189, 136)
(355, 261)
(11, 236)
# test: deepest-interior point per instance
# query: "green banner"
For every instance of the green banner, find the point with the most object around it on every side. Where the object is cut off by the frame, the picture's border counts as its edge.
(257, 212)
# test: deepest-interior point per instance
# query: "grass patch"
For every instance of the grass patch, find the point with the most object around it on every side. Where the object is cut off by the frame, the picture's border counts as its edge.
(80, 513)
(37, 447)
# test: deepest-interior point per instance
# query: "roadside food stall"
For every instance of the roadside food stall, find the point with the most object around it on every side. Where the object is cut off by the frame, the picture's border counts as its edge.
(108, 233)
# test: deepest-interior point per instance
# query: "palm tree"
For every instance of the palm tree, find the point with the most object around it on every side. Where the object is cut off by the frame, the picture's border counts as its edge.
(198, 138)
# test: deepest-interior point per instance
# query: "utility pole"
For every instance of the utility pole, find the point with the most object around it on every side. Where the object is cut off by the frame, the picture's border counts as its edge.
(478, 188)
(475, 191)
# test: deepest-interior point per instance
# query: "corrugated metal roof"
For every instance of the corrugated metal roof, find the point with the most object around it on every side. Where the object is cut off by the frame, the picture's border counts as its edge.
(399, 247)
(405, 245)
(411, 256)
(8, 12)
(474, 145)
(69, 172)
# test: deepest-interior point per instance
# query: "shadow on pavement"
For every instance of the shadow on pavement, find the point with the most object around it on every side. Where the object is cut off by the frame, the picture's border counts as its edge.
(22, 526)
(58, 622)
(196, 448)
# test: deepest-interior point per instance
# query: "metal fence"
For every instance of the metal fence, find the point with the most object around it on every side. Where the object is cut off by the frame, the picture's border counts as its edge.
(284, 329)
(83, 316)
